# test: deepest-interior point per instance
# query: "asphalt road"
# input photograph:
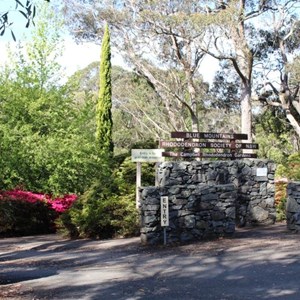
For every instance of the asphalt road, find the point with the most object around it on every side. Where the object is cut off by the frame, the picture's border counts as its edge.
(257, 263)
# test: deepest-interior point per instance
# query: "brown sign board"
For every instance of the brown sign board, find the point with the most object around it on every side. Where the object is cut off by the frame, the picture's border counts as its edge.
(215, 145)
(209, 135)
(209, 155)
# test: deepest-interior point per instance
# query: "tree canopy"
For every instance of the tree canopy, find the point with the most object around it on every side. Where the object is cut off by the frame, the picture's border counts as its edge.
(175, 36)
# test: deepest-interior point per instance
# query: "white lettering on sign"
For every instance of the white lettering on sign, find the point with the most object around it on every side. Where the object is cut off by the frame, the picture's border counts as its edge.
(164, 210)
(171, 144)
(147, 155)
(218, 136)
(193, 135)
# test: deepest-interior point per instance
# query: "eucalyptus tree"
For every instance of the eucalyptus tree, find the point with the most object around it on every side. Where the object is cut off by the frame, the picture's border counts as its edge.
(175, 35)
(154, 35)
(280, 81)
(136, 113)
(238, 34)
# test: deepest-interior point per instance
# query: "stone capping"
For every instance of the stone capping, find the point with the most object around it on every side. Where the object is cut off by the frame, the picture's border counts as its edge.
(208, 198)
(293, 206)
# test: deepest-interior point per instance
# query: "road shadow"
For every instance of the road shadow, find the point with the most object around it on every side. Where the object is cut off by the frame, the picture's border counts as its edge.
(256, 263)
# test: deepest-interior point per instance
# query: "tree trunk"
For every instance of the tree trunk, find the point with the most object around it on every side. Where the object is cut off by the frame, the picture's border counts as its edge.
(246, 113)
(193, 102)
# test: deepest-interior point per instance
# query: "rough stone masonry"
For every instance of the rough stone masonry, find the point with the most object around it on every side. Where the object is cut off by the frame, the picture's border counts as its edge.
(293, 206)
(208, 199)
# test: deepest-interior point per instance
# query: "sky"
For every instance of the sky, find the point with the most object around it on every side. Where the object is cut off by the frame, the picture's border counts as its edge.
(86, 52)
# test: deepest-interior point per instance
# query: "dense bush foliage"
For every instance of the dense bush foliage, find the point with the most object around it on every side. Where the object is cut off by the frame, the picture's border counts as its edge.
(46, 132)
(290, 169)
(274, 136)
(287, 171)
(280, 199)
(27, 213)
(25, 218)
(108, 209)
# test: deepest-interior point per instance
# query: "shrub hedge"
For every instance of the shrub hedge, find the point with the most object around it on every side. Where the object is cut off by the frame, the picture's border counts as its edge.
(27, 213)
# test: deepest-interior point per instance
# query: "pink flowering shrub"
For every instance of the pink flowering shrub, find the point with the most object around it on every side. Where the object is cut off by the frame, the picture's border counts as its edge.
(59, 204)
(62, 204)
(24, 196)
(24, 212)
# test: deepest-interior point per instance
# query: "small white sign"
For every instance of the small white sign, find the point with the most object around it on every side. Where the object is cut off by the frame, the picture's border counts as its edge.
(164, 210)
(262, 172)
(147, 155)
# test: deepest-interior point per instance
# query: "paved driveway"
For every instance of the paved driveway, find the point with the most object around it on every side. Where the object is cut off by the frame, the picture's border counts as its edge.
(258, 263)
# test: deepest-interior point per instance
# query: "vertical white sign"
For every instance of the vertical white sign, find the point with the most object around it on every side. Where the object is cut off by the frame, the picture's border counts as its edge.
(164, 210)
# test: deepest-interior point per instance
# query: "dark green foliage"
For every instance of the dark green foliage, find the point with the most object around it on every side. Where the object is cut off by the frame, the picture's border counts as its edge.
(18, 218)
(225, 90)
(27, 9)
(281, 210)
(274, 135)
(104, 115)
(280, 199)
(47, 136)
(107, 209)
(101, 212)
(292, 168)
(273, 120)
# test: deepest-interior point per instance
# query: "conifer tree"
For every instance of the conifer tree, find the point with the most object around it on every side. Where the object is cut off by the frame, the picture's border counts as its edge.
(104, 115)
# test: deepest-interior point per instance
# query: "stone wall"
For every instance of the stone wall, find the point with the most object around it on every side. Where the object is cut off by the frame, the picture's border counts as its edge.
(293, 206)
(248, 199)
(255, 194)
(195, 212)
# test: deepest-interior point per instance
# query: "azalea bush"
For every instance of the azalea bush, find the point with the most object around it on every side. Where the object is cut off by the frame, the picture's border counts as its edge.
(26, 213)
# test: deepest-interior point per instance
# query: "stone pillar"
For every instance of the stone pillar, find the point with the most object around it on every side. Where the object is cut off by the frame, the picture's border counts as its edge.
(293, 206)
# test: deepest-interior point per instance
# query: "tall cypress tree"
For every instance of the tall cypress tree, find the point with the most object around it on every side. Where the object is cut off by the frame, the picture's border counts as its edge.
(104, 115)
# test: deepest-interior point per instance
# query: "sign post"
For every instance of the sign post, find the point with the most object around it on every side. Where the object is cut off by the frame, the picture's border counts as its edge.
(138, 183)
(144, 155)
(164, 215)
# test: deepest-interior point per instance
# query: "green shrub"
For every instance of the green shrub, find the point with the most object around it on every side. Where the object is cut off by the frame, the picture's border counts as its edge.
(19, 218)
(105, 210)
(293, 166)
(101, 214)
(281, 210)
(290, 169)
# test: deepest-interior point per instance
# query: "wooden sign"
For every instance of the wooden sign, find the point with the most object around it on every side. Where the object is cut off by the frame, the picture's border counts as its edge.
(215, 145)
(209, 155)
(209, 135)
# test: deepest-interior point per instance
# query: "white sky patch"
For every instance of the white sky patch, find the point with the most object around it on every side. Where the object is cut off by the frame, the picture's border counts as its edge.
(75, 56)
(78, 56)
(208, 68)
